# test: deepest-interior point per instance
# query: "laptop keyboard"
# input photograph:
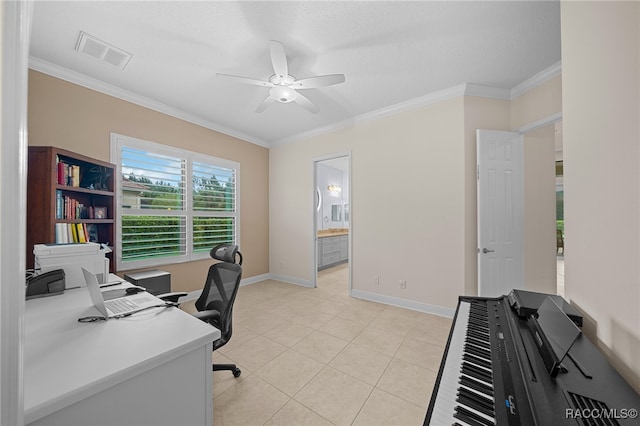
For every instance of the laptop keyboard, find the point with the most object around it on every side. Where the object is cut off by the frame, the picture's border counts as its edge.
(117, 306)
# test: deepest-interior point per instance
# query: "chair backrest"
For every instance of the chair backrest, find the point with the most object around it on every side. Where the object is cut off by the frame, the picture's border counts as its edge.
(227, 253)
(220, 290)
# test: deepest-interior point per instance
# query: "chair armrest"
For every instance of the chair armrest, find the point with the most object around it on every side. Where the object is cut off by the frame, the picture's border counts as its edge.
(172, 297)
(207, 315)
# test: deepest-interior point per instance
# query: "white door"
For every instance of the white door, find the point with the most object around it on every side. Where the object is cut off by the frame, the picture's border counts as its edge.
(500, 212)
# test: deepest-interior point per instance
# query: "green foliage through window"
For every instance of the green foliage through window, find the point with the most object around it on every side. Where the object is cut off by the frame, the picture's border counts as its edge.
(173, 203)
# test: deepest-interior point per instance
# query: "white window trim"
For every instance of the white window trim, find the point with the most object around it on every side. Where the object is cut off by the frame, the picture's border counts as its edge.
(117, 141)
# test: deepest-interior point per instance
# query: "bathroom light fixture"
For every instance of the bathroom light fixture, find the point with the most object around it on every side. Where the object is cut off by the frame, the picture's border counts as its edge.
(334, 188)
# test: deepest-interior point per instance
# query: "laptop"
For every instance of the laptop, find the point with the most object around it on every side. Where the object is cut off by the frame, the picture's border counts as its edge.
(118, 306)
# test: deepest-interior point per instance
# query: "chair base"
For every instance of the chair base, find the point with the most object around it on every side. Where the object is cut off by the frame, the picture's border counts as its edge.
(231, 367)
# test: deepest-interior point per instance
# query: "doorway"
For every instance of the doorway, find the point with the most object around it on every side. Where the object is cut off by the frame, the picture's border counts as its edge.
(332, 223)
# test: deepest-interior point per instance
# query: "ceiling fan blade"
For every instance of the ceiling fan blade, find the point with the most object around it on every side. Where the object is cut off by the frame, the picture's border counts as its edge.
(278, 59)
(265, 104)
(245, 80)
(319, 81)
(305, 103)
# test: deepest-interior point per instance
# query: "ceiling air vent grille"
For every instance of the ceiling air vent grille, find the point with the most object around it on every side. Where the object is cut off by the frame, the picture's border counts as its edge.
(591, 412)
(98, 49)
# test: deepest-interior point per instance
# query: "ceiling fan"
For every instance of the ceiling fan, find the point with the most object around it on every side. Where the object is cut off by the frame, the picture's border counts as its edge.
(283, 87)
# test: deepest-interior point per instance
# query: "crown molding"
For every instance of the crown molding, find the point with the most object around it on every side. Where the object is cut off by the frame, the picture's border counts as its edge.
(408, 105)
(467, 89)
(538, 79)
(487, 92)
(108, 89)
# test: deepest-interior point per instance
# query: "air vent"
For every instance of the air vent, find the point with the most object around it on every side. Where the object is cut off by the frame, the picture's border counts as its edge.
(593, 412)
(98, 49)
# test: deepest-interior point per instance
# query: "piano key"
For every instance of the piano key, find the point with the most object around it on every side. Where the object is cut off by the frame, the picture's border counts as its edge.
(445, 404)
(474, 371)
(476, 401)
(472, 418)
(486, 363)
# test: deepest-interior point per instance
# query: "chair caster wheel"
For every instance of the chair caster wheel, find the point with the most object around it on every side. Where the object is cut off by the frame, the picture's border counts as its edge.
(237, 372)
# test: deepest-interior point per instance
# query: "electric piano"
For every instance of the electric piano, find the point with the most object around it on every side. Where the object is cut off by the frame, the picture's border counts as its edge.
(536, 368)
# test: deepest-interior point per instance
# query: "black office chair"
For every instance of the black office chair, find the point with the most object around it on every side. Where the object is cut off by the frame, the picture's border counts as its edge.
(215, 304)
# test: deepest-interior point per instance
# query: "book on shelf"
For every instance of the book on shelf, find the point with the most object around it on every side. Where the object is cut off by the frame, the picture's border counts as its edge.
(76, 233)
(70, 208)
(67, 174)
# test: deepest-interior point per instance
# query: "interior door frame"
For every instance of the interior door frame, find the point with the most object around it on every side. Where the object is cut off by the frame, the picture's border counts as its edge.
(15, 18)
(523, 131)
(314, 227)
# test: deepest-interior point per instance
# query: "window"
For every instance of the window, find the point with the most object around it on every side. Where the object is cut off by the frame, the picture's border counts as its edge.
(173, 205)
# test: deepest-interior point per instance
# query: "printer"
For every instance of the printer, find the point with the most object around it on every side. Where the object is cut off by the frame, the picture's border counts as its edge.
(72, 258)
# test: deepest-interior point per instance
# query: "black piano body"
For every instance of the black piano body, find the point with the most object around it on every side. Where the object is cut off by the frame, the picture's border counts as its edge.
(582, 388)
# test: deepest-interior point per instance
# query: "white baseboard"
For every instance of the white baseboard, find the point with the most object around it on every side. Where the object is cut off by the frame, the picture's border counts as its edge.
(365, 295)
(254, 279)
(403, 303)
(291, 280)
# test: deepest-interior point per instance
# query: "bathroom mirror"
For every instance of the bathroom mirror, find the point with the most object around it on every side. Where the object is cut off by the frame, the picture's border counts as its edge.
(336, 213)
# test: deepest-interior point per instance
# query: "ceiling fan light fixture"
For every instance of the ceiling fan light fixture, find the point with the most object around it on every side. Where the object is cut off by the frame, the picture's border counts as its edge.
(283, 94)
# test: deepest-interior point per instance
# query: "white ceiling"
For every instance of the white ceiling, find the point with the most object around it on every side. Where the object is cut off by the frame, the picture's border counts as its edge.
(390, 52)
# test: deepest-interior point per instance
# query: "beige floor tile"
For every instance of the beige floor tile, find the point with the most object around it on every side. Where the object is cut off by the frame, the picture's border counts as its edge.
(379, 340)
(250, 402)
(395, 320)
(421, 353)
(331, 307)
(289, 334)
(306, 301)
(223, 380)
(320, 346)
(362, 363)
(239, 336)
(343, 328)
(334, 395)
(290, 371)
(360, 313)
(336, 287)
(433, 321)
(436, 332)
(312, 318)
(382, 360)
(260, 322)
(296, 414)
(326, 292)
(409, 382)
(255, 353)
(384, 409)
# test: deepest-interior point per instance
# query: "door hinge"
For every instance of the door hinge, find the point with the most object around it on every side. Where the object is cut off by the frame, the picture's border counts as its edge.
(477, 171)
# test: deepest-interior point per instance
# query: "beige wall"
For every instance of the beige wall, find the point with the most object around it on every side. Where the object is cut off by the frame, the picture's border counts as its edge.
(407, 206)
(538, 103)
(601, 103)
(81, 120)
(414, 196)
(540, 211)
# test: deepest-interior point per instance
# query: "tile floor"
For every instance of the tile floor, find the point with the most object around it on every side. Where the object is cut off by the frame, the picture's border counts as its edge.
(320, 357)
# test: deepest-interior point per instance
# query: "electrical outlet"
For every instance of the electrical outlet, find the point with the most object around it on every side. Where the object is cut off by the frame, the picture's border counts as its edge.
(403, 284)
(376, 280)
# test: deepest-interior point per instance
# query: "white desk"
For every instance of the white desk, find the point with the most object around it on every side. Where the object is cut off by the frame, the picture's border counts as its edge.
(152, 368)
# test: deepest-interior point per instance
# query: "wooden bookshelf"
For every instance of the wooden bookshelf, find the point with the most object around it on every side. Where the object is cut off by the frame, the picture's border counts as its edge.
(60, 196)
